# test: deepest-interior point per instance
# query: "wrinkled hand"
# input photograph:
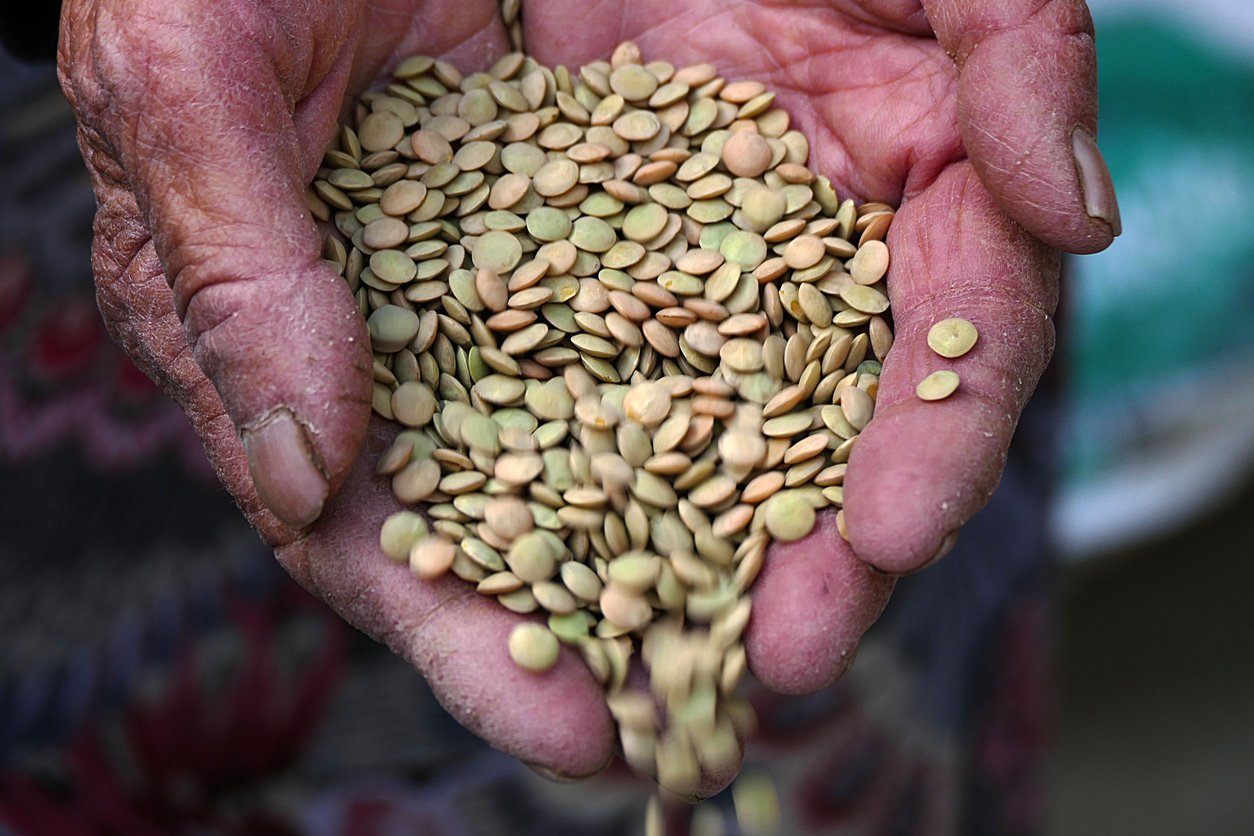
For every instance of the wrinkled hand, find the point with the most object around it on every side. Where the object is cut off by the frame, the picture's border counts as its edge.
(201, 124)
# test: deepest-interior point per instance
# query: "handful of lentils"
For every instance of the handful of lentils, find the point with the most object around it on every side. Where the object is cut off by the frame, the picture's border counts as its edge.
(631, 338)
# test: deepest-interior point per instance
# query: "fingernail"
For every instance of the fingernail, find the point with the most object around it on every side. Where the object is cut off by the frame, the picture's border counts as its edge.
(548, 774)
(847, 657)
(947, 544)
(281, 461)
(1095, 182)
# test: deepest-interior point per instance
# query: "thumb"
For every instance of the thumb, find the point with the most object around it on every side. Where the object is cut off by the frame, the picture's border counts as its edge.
(205, 131)
(1027, 106)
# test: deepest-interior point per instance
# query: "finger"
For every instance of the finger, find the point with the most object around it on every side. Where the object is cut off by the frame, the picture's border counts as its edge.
(1027, 107)
(556, 721)
(812, 603)
(922, 469)
(203, 126)
(137, 306)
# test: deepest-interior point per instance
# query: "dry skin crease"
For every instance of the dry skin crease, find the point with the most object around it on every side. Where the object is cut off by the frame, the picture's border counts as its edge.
(631, 337)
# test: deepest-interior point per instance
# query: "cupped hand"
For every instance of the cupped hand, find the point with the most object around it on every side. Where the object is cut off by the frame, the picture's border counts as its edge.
(978, 118)
(202, 123)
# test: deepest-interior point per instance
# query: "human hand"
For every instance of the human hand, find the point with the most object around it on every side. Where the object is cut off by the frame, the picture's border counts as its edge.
(192, 117)
(978, 118)
(201, 125)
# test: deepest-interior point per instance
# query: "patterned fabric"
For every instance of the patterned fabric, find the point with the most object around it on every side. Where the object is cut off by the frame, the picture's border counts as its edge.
(158, 674)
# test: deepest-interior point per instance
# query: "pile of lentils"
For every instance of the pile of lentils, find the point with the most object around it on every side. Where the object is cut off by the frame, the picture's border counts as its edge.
(632, 339)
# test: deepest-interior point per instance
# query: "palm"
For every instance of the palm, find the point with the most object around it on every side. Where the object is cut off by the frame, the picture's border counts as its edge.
(871, 100)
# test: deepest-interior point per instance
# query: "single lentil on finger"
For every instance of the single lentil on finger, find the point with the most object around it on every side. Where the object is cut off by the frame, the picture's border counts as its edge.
(952, 337)
(937, 386)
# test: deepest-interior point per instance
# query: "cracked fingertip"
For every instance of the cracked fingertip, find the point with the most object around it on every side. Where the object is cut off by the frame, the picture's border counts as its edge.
(284, 469)
(550, 773)
(1097, 189)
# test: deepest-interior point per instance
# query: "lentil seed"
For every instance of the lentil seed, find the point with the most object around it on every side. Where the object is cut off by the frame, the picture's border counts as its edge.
(533, 648)
(937, 386)
(952, 337)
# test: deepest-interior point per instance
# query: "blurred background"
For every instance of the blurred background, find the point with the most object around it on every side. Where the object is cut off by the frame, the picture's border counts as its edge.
(183, 633)
(1155, 732)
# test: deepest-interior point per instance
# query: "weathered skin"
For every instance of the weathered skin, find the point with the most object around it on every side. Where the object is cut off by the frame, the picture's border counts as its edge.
(201, 124)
